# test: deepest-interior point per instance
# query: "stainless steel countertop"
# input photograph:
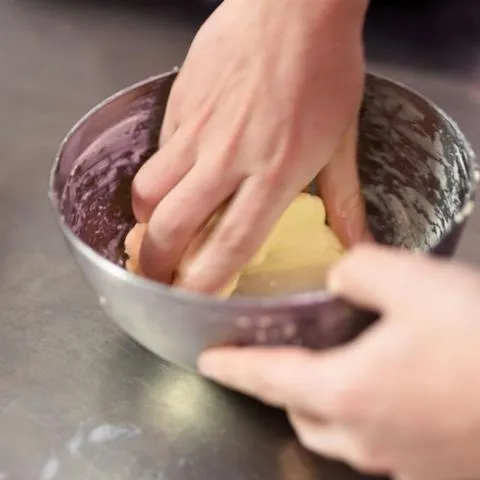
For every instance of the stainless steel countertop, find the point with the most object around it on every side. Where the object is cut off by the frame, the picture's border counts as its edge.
(79, 400)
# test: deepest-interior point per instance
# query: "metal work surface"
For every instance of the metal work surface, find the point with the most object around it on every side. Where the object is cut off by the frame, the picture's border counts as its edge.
(78, 399)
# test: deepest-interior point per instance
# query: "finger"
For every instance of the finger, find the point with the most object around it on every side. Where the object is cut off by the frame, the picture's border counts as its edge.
(339, 187)
(178, 217)
(379, 278)
(281, 377)
(374, 277)
(161, 173)
(169, 128)
(240, 233)
(335, 441)
(318, 436)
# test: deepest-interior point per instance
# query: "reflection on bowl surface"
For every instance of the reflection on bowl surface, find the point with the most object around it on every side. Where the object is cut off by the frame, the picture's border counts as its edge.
(418, 176)
(415, 167)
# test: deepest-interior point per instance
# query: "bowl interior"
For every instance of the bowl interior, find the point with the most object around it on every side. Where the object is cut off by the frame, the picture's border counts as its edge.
(416, 168)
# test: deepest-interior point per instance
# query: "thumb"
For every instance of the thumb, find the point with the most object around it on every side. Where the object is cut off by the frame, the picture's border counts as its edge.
(377, 278)
(339, 187)
(283, 376)
(386, 279)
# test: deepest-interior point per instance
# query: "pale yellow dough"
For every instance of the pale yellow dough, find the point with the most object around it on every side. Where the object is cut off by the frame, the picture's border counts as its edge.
(294, 258)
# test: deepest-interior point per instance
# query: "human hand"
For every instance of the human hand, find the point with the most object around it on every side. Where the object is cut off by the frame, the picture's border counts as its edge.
(267, 98)
(404, 397)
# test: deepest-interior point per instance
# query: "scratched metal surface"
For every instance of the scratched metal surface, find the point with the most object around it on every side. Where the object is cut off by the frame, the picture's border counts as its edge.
(78, 400)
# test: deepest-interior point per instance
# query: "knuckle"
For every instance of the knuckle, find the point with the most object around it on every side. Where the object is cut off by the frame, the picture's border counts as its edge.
(276, 176)
(167, 236)
(172, 233)
(234, 240)
(224, 169)
(223, 156)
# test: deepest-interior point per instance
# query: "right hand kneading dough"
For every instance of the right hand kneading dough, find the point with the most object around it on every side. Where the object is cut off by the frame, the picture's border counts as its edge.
(294, 258)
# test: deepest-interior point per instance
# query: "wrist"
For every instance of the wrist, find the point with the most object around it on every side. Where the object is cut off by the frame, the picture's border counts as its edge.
(347, 16)
(319, 19)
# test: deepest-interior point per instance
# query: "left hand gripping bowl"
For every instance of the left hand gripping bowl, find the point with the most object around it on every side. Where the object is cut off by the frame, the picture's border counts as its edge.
(418, 175)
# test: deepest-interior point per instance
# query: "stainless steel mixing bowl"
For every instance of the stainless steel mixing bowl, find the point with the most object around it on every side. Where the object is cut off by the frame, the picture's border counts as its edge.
(418, 174)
